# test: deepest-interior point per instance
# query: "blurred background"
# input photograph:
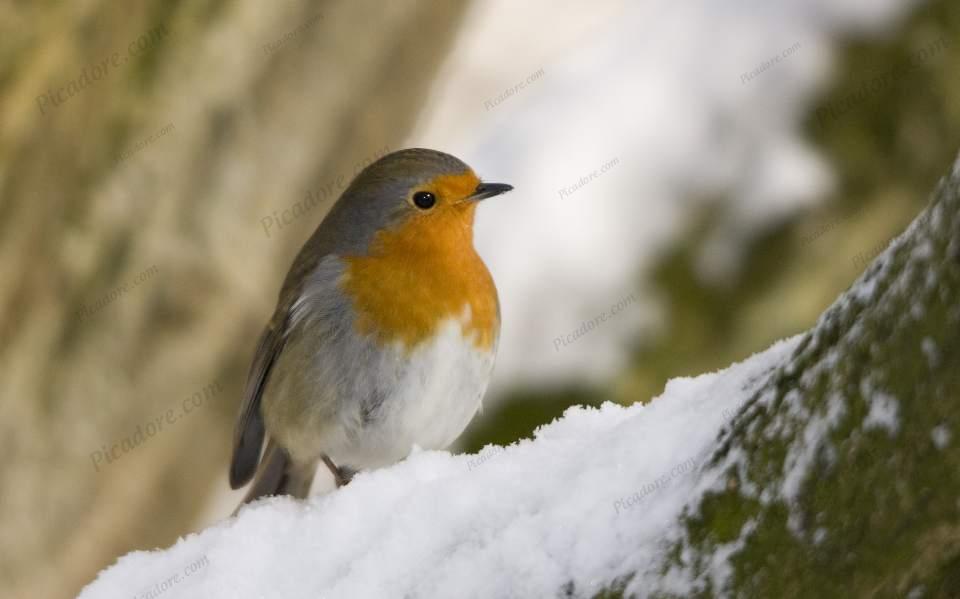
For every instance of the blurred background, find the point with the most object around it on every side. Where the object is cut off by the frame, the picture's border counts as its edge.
(693, 181)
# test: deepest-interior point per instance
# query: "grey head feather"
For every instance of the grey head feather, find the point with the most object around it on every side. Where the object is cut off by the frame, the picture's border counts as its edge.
(374, 200)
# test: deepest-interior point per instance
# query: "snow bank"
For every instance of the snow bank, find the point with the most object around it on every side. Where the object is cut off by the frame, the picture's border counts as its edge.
(589, 500)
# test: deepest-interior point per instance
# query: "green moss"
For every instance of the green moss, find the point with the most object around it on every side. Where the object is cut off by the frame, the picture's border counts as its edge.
(868, 517)
(160, 33)
(727, 513)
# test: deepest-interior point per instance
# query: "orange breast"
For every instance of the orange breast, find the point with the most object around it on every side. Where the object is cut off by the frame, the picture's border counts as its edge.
(421, 273)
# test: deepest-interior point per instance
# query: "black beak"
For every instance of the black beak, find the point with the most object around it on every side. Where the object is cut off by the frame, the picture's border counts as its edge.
(488, 190)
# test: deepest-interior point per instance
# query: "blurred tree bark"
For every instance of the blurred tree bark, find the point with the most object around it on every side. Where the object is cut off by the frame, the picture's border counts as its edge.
(144, 238)
(888, 151)
(840, 475)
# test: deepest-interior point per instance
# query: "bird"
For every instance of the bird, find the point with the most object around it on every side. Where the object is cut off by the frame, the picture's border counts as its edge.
(384, 334)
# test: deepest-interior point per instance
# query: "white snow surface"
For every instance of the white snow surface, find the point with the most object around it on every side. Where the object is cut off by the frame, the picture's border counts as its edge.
(592, 497)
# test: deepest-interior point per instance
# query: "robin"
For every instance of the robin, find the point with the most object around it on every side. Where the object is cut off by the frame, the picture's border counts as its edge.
(384, 334)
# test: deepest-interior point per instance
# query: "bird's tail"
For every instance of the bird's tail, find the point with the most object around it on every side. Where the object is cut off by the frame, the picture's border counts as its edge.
(277, 474)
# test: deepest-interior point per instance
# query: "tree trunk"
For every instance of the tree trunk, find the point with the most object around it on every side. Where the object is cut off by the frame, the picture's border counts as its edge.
(840, 475)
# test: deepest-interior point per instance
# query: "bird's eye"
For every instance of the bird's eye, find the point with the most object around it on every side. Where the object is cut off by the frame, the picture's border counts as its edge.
(424, 200)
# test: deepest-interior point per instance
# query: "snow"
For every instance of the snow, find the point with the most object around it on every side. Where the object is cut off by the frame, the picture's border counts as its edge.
(590, 498)
(798, 465)
(884, 413)
(930, 351)
(940, 435)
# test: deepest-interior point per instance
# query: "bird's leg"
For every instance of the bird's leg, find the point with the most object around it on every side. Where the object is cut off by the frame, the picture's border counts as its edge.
(346, 475)
(341, 476)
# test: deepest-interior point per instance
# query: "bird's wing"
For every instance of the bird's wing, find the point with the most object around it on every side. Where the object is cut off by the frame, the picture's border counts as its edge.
(310, 288)
(249, 432)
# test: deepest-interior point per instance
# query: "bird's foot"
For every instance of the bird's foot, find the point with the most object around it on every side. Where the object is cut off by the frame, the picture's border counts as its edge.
(341, 475)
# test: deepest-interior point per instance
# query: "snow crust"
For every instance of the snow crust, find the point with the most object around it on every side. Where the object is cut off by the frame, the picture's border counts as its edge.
(591, 498)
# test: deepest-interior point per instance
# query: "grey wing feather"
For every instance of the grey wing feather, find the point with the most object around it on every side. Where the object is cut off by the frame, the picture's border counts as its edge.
(249, 432)
(312, 265)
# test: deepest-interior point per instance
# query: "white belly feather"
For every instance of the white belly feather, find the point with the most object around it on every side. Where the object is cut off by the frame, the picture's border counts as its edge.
(437, 390)
(367, 406)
